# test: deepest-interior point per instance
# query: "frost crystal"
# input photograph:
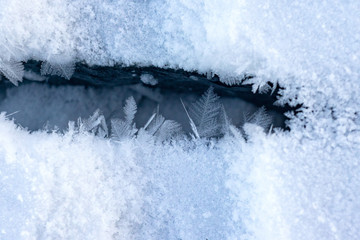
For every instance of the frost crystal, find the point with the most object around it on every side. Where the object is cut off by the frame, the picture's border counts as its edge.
(12, 70)
(65, 70)
(205, 113)
(120, 128)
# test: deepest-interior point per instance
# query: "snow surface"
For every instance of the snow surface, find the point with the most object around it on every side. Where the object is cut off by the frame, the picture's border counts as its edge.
(302, 184)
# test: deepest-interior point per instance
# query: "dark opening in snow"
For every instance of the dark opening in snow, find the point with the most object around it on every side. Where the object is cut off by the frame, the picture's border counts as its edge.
(51, 101)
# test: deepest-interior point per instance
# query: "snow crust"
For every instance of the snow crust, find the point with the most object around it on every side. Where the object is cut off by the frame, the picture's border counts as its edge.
(302, 184)
(273, 187)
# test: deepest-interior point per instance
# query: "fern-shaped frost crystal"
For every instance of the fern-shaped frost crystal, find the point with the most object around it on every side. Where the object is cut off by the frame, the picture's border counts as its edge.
(205, 112)
(224, 122)
(168, 130)
(121, 129)
(12, 70)
(130, 110)
(192, 124)
(65, 70)
(260, 118)
(155, 124)
(160, 128)
(125, 128)
(95, 124)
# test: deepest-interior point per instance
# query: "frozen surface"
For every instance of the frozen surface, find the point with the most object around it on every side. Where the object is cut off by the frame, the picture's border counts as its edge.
(302, 184)
(26, 104)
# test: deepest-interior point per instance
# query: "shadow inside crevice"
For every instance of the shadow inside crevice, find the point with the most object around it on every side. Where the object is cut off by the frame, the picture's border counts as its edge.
(56, 101)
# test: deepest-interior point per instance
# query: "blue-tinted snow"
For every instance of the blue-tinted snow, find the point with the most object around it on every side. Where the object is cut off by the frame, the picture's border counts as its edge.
(303, 184)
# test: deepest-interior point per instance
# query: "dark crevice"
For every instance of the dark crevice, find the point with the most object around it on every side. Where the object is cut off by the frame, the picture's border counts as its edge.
(171, 82)
(176, 80)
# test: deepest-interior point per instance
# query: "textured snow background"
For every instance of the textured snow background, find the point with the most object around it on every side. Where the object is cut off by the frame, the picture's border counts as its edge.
(302, 184)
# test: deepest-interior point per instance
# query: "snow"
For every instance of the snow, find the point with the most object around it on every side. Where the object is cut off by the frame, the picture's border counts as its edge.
(148, 79)
(302, 184)
(69, 189)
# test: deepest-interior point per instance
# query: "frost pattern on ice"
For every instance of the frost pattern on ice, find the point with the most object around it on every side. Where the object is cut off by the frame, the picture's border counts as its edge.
(298, 185)
(156, 126)
(210, 121)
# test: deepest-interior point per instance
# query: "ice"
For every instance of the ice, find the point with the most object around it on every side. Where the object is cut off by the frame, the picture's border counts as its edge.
(301, 184)
(26, 104)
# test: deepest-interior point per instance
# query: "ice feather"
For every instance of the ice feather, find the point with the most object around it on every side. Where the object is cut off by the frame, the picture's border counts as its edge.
(205, 114)
(160, 128)
(192, 124)
(95, 124)
(224, 121)
(260, 118)
(167, 130)
(121, 129)
(12, 70)
(65, 70)
(156, 124)
(130, 110)
(149, 121)
(125, 128)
